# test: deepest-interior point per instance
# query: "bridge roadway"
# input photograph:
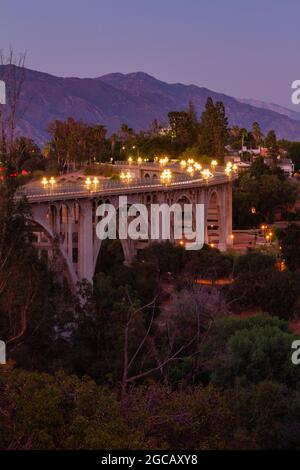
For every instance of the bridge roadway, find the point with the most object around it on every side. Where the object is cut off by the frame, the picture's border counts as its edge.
(115, 187)
(64, 216)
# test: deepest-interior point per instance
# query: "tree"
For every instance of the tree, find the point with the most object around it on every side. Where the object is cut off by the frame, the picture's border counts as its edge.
(183, 127)
(290, 242)
(251, 350)
(257, 134)
(264, 188)
(213, 129)
(271, 143)
(29, 155)
(294, 154)
(12, 71)
(73, 142)
(126, 133)
(41, 411)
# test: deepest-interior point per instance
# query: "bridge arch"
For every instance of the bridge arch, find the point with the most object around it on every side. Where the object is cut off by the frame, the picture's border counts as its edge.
(70, 271)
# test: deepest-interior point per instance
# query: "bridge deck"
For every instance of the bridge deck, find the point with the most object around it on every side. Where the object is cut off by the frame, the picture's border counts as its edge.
(115, 187)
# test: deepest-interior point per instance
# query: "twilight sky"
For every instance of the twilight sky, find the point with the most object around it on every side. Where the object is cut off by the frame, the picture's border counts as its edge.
(247, 49)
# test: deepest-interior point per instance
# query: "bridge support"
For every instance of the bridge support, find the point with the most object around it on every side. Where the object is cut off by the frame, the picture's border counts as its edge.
(71, 220)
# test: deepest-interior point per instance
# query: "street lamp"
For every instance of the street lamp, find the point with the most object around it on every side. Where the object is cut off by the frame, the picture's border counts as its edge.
(88, 182)
(126, 177)
(206, 174)
(52, 182)
(95, 181)
(190, 170)
(163, 161)
(166, 176)
(228, 169)
(130, 160)
(44, 182)
(214, 164)
(197, 166)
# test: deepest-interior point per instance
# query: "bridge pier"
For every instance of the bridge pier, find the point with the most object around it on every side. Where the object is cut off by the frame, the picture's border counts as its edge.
(86, 265)
(71, 218)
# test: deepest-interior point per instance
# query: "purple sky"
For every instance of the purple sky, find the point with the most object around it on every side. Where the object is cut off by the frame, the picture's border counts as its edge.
(245, 49)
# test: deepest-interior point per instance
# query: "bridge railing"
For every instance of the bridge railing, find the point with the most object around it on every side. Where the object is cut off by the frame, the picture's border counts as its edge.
(107, 186)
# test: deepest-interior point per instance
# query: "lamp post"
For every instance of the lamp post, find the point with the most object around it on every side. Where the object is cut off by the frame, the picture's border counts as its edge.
(206, 174)
(214, 165)
(44, 182)
(52, 182)
(190, 170)
(166, 176)
(126, 177)
(228, 169)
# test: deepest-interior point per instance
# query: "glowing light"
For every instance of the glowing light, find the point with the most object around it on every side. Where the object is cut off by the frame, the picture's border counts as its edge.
(183, 163)
(126, 177)
(228, 169)
(139, 160)
(253, 210)
(163, 161)
(190, 170)
(197, 166)
(191, 161)
(235, 167)
(52, 181)
(95, 181)
(214, 164)
(130, 160)
(44, 182)
(166, 176)
(212, 245)
(206, 174)
(88, 182)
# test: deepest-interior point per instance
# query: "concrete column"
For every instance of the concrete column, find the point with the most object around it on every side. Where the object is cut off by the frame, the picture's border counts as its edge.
(86, 265)
(57, 223)
(70, 232)
(229, 214)
(204, 199)
(225, 218)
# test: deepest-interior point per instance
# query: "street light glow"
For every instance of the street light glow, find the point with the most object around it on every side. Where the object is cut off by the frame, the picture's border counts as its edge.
(166, 176)
(206, 174)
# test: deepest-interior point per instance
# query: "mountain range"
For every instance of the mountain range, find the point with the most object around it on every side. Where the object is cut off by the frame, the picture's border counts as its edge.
(135, 99)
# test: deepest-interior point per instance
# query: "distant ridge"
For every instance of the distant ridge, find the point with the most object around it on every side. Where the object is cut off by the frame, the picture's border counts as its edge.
(136, 99)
